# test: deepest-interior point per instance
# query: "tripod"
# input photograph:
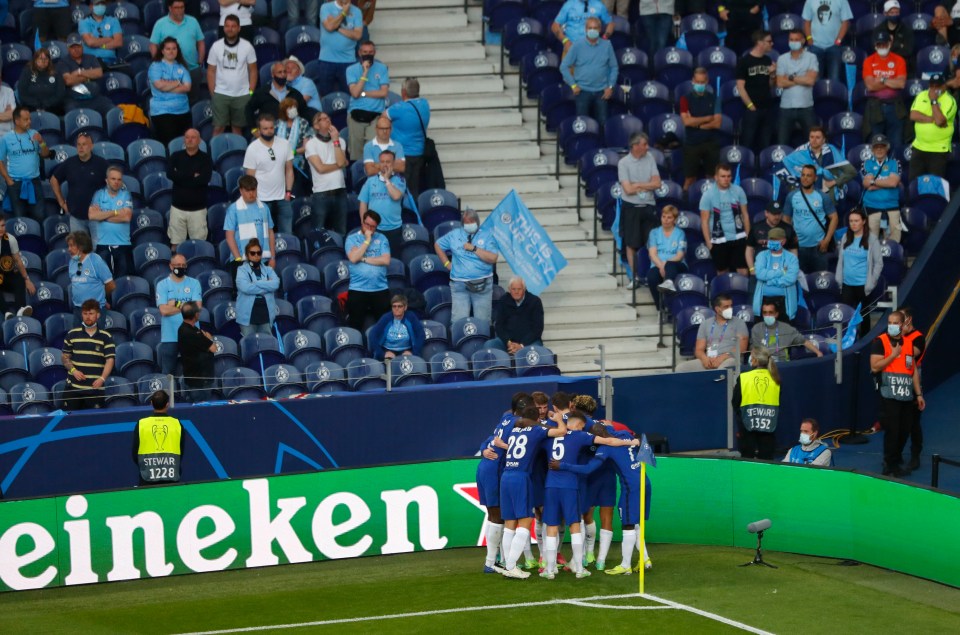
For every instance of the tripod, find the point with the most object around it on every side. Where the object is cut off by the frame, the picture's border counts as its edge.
(758, 557)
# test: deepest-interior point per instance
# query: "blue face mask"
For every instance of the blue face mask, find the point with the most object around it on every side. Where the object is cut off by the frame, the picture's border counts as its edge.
(893, 330)
(699, 88)
(774, 245)
(796, 46)
(99, 9)
(593, 33)
(769, 320)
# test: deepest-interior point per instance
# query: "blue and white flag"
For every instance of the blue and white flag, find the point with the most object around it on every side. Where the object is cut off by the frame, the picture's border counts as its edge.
(850, 334)
(524, 243)
(930, 184)
(645, 452)
(412, 206)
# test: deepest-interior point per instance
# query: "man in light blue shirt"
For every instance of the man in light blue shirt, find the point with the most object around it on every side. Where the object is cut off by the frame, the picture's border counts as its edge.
(341, 27)
(594, 72)
(410, 120)
(814, 218)
(473, 254)
(570, 24)
(369, 81)
(90, 278)
(20, 152)
(797, 72)
(298, 81)
(186, 30)
(382, 141)
(825, 24)
(113, 208)
(248, 218)
(102, 34)
(383, 193)
(172, 292)
(725, 221)
(368, 296)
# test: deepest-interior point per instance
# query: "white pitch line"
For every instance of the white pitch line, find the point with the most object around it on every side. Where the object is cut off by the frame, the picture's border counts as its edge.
(371, 618)
(617, 607)
(712, 616)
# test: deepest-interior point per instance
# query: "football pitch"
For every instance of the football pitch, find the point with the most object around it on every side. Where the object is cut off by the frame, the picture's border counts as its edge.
(692, 589)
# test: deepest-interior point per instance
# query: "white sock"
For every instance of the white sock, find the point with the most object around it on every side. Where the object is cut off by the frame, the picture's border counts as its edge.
(642, 548)
(540, 535)
(629, 542)
(591, 540)
(508, 535)
(576, 540)
(527, 550)
(606, 537)
(494, 534)
(551, 553)
(516, 549)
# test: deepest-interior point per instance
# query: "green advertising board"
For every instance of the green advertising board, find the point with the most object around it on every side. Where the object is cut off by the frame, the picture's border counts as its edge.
(163, 531)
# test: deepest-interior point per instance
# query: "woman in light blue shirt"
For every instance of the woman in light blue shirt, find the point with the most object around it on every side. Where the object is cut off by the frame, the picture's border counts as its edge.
(859, 262)
(667, 246)
(169, 86)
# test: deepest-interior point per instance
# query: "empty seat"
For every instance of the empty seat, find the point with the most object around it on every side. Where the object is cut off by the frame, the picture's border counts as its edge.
(343, 345)
(119, 392)
(535, 361)
(303, 347)
(241, 384)
(491, 363)
(448, 367)
(22, 334)
(409, 370)
(151, 383)
(46, 366)
(317, 313)
(259, 351)
(365, 374)
(325, 376)
(30, 398)
(469, 335)
(134, 360)
(283, 380)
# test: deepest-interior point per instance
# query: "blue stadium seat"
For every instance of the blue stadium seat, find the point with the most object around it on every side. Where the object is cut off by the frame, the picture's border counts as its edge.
(49, 126)
(13, 369)
(923, 35)
(119, 392)
(46, 366)
(744, 312)
(284, 380)
(735, 285)
(131, 293)
(933, 200)
(30, 398)
(115, 323)
(343, 345)
(326, 377)
(771, 158)
(226, 356)
(435, 338)
(427, 271)
(216, 215)
(691, 292)
(633, 66)
(145, 325)
(449, 367)
(699, 30)
(520, 37)
(55, 327)
(335, 104)
(124, 132)
(259, 351)
(200, 254)
(415, 241)
(826, 316)
(780, 25)
(740, 158)
(864, 26)
(919, 225)
(58, 154)
(618, 130)
(158, 191)
(730, 102)
(497, 13)
(55, 230)
(598, 169)
(267, 45)
(202, 115)
(469, 334)
(491, 363)
(538, 70)
(396, 276)
(932, 59)
(147, 226)
(829, 98)
(661, 125)
(301, 280)
(135, 360)
(366, 374)
(672, 66)
(15, 57)
(576, 137)
(118, 88)
(22, 334)
(317, 313)
(408, 370)
(555, 103)
(686, 324)
(48, 300)
(438, 303)
(700, 262)
(83, 120)
(29, 235)
(649, 99)
(894, 263)
(720, 62)
(845, 129)
(288, 251)
(438, 206)
(242, 384)
(302, 41)
(152, 260)
(336, 278)
(227, 150)
(535, 361)
(216, 286)
(303, 347)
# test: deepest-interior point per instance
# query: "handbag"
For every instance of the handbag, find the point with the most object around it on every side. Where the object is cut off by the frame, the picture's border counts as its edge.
(477, 286)
(431, 172)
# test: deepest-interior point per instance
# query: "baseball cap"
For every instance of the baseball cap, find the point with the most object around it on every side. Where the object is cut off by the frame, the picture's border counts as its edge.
(882, 37)
(74, 39)
(777, 233)
(880, 140)
(775, 208)
(937, 79)
(890, 4)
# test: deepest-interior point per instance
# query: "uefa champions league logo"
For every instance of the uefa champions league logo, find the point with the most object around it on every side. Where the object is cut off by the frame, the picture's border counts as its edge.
(427, 333)
(849, 56)
(259, 40)
(787, 24)
(339, 104)
(108, 322)
(616, 191)
(146, 150)
(865, 153)
(61, 156)
(663, 190)
(682, 222)
(778, 154)
(744, 315)
(113, 84)
(936, 56)
(303, 38)
(698, 24)
(835, 315)
(847, 122)
(143, 221)
(83, 120)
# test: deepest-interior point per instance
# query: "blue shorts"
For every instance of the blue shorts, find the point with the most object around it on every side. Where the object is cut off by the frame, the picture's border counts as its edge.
(488, 482)
(602, 487)
(629, 504)
(515, 499)
(561, 506)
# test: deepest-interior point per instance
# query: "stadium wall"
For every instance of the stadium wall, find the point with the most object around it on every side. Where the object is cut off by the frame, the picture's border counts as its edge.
(235, 524)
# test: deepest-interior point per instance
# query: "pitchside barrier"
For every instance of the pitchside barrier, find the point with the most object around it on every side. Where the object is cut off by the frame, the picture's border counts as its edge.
(246, 523)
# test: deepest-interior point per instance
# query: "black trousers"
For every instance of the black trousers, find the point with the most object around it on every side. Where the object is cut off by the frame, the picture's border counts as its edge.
(82, 398)
(14, 283)
(896, 418)
(366, 305)
(756, 445)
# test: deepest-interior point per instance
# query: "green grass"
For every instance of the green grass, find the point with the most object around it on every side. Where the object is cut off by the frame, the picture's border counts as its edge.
(805, 595)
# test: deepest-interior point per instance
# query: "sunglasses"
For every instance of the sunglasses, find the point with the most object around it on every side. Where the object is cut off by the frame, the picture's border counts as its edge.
(254, 253)
(273, 157)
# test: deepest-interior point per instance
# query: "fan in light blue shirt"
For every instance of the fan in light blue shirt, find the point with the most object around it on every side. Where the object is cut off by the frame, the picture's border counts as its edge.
(334, 45)
(364, 276)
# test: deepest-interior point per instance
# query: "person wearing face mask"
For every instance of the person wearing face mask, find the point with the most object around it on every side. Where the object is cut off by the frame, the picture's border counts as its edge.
(811, 450)
(293, 126)
(197, 350)
(756, 406)
(700, 112)
(900, 34)
(933, 113)
(881, 190)
(172, 292)
(369, 81)
(720, 339)
(257, 284)
(325, 154)
(590, 69)
(102, 34)
(231, 76)
(776, 270)
(112, 207)
(270, 159)
(570, 25)
(912, 334)
(859, 264)
(893, 360)
(757, 239)
(88, 355)
(884, 76)
(297, 79)
(266, 99)
(797, 72)
(777, 336)
(473, 254)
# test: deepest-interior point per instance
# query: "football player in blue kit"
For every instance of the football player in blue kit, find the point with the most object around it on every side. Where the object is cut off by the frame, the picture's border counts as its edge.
(600, 490)
(627, 465)
(489, 471)
(562, 498)
(516, 505)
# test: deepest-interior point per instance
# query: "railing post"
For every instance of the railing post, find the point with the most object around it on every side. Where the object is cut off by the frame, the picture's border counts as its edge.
(389, 376)
(935, 472)
(838, 359)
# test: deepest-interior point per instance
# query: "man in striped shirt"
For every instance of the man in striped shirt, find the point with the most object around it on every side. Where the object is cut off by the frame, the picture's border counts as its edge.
(88, 356)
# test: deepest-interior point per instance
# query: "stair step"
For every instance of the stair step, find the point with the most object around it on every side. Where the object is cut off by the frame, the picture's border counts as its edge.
(416, 69)
(434, 52)
(498, 152)
(561, 301)
(613, 313)
(587, 348)
(459, 85)
(487, 201)
(386, 37)
(480, 118)
(387, 7)
(461, 102)
(611, 332)
(617, 362)
(471, 136)
(579, 284)
(462, 170)
(502, 186)
(425, 21)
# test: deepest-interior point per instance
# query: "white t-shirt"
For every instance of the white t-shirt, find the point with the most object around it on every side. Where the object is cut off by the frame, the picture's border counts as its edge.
(328, 155)
(244, 13)
(270, 172)
(7, 99)
(233, 76)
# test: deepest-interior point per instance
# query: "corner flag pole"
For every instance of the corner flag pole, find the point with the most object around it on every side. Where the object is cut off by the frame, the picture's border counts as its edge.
(643, 506)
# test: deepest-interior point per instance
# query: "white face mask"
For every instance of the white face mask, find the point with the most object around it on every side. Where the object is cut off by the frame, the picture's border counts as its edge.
(292, 113)
(470, 228)
(805, 438)
(883, 52)
(727, 313)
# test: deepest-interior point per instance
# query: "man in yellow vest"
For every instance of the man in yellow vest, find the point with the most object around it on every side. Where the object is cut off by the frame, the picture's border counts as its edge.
(756, 403)
(157, 443)
(933, 113)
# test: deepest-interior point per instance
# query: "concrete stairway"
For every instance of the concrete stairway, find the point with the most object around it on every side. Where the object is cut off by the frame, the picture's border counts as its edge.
(488, 144)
